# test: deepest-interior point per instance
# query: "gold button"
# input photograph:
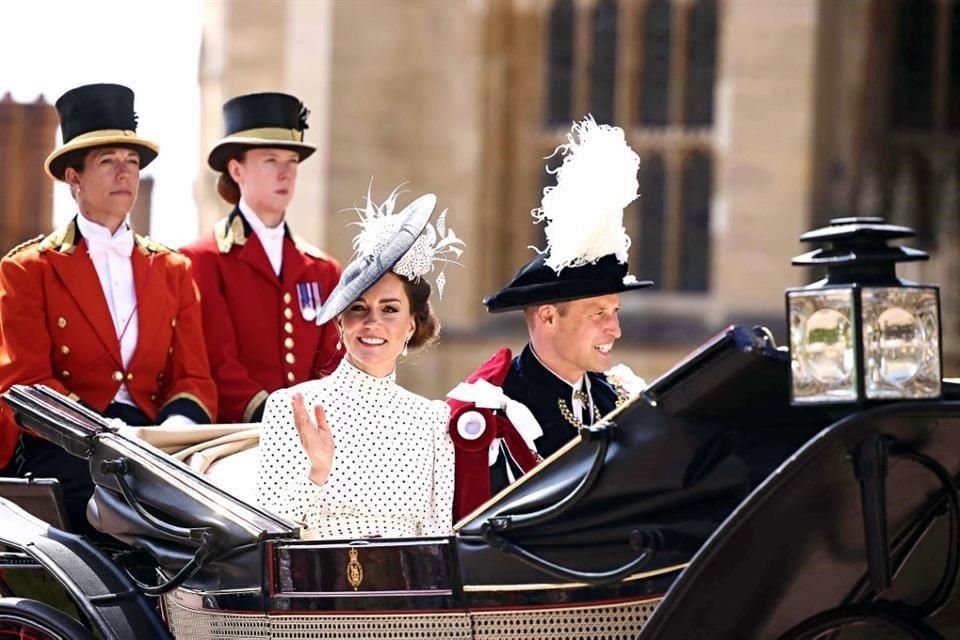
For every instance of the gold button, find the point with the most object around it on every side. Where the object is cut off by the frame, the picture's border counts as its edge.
(129, 376)
(170, 351)
(118, 376)
(288, 313)
(65, 350)
(173, 322)
(160, 376)
(287, 298)
(288, 327)
(289, 376)
(153, 397)
(288, 342)
(61, 322)
(289, 358)
(65, 374)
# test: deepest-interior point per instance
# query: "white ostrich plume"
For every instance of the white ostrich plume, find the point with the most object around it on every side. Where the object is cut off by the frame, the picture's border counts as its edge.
(379, 224)
(584, 211)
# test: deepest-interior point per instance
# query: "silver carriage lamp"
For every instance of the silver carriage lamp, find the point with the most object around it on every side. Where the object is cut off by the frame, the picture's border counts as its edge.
(861, 333)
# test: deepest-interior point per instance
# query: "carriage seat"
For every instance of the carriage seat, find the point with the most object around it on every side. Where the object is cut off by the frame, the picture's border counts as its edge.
(225, 453)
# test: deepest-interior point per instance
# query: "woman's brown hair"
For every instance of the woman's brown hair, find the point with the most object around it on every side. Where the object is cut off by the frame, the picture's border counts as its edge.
(428, 325)
(227, 187)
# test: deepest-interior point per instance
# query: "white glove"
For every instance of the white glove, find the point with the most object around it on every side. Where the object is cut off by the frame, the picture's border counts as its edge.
(176, 420)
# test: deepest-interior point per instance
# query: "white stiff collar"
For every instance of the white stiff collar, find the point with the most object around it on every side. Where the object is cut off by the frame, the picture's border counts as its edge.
(271, 238)
(348, 371)
(90, 229)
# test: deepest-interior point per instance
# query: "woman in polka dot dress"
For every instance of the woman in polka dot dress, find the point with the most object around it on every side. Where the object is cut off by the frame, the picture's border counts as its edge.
(355, 454)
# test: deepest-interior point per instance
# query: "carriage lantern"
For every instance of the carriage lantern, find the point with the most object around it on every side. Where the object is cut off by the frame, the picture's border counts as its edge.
(863, 334)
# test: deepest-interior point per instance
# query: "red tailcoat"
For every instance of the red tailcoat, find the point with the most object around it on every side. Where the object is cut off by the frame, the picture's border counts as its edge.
(258, 338)
(56, 330)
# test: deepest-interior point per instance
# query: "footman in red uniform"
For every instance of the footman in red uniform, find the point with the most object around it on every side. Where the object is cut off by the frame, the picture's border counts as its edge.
(95, 311)
(262, 286)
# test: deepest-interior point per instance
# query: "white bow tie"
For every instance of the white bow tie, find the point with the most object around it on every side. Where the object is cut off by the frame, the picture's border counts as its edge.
(120, 244)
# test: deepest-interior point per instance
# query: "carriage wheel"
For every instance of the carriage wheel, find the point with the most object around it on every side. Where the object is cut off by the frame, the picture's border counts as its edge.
(23, 619)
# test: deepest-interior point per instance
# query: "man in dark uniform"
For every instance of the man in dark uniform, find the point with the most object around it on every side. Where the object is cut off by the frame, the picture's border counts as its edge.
(262, 286)
(515, 411)
(93, 310)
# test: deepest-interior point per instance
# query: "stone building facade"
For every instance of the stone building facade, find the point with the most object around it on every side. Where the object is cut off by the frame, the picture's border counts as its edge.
(755, 120)
(27, 135)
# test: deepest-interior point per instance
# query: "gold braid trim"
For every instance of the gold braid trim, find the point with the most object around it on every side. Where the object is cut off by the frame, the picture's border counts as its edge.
(23, 245)
(255, 401)
(227, 236)
(190, 396)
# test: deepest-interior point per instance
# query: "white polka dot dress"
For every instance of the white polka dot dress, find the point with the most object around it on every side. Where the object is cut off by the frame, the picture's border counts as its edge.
(392, 473)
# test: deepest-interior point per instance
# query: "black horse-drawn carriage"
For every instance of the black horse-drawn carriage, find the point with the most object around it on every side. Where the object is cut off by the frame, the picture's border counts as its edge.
(725, 501)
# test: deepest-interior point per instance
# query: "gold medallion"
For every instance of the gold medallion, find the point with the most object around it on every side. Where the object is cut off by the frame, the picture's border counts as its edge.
(354, 570)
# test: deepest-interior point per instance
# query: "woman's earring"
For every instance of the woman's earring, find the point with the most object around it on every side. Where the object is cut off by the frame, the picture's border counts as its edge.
(405, 343)
(339, 340)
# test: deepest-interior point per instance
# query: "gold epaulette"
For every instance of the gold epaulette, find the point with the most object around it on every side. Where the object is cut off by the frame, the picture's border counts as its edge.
(63, 239)
(226, 237)
(310, 250)
(148, 245)
(23, 245)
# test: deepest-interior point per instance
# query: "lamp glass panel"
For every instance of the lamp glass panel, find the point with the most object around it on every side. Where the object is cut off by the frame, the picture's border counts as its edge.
(901, 342)
(822, 348)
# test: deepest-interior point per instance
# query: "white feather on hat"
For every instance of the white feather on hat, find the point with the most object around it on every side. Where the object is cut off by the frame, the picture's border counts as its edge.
(436, 244)
(584, 211)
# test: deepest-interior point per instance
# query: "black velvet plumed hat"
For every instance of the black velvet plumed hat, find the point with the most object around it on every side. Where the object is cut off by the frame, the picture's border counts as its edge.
(587, 245)
(536, 284)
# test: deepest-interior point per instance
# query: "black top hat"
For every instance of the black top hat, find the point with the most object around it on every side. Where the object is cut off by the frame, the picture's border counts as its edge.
(97, 115)
(274, 120)
(364, 272)
(536, 284)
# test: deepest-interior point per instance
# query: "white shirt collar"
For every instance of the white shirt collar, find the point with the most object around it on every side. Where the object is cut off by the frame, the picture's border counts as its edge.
(271, 239)
(262, 230)
(90, 229)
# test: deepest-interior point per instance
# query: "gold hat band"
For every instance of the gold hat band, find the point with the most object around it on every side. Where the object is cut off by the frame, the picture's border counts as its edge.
(104, 133)
(100, 138)
(268, 133)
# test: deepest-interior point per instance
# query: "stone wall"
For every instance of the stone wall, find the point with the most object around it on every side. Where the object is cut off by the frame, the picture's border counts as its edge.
(27, 134)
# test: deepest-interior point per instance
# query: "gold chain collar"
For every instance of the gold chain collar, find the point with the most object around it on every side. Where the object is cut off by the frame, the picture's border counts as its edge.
(566, 409)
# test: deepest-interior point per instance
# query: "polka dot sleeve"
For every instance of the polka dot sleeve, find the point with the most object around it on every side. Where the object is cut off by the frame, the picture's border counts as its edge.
(439, 521)
(282, 462)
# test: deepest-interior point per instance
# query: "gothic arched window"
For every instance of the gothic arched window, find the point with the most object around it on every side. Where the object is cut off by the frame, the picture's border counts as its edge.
(701, 64)
(654, 103)
(603, 62)
(695, 194)
(953, 83)
(647, 249)
(913, 65)
(560, 47)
